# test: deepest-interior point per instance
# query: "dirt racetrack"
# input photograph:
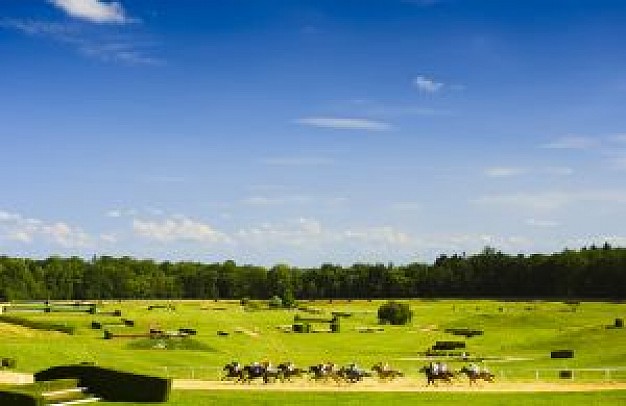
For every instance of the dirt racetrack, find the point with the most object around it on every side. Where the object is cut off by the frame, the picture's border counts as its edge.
(400, 385)
(369, 385)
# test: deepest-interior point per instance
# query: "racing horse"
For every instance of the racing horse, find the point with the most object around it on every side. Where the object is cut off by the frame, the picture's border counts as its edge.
(254, 371)
(325, 372)
(233, 370)
(475, 375)
(352, 374)
(432, 377)
(386, 373)
(287, 371)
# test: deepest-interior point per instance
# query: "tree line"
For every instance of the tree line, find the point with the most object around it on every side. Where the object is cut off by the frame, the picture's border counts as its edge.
(591, 272)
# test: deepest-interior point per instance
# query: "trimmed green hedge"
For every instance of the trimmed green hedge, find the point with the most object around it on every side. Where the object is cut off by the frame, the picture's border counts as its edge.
(37, 324)
(30, 395)
(8, 397)
(112, 385)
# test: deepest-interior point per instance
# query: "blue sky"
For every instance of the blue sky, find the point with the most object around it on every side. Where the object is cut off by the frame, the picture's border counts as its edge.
(311, 131)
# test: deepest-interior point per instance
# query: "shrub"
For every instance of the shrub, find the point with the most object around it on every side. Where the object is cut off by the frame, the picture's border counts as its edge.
(275, 302)
(112, 385)
(394, 313)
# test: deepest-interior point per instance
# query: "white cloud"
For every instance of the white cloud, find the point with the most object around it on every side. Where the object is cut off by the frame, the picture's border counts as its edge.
(618, 138)
(114, 213)
(301, 232)
(504, 172)
(297, 161)
(427, 85)
(34, 27)
(406, 206)
(344, 123)
(553, 200)
(538, 201)
(178, 228)
(382, 234)
(541, 223)
(16, 227)
(572, 142)
(507, 172)
(96, 11)
(124, 49)
(292, 200)
(558, 170)
(310, 232)
(108, 238)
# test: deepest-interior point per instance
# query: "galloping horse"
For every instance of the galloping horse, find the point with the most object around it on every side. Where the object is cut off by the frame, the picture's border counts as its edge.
(271, 374)
(432, 377)
(474, 375)
(253, 371)
(286, 371)
(352, 374)
(233, 370)
(384, 373)
(325, 372)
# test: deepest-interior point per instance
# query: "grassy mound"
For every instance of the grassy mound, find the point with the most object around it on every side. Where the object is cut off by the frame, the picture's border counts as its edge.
(186, 343)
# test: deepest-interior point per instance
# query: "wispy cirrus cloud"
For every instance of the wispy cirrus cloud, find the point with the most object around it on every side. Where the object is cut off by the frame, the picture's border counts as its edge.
(553, 200)
(120, 49)
(541, 223)
(95, 11)
(504, 171)
(292, 200)
(572, 142)
(339, 123)
(512, 171)
(297, 161)
(427, 85)
(178, 228)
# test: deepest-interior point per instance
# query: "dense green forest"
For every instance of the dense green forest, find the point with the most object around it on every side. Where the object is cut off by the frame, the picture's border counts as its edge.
(594, 272)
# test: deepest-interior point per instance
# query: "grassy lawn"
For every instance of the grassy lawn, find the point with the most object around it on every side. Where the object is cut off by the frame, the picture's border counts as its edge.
(517, 340)
(192, 398)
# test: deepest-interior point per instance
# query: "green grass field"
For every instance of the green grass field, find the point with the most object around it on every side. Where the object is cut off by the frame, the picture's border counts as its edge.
(516, 345)
(191, 398)
(517, 340)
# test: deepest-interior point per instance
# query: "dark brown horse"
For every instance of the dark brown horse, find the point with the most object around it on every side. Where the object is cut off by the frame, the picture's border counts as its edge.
(287, 371)
(325, 372)
(474, 375)
(432, 377)
(386, 373)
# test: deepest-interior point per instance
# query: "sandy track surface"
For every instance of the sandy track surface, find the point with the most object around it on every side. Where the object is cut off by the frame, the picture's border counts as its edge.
(15, 378)
(370, 385)
(400, 385)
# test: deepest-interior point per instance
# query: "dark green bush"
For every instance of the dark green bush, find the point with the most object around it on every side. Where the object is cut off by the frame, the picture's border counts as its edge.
(394, 313)
(112, 385)
(9, 397)
(275, 302)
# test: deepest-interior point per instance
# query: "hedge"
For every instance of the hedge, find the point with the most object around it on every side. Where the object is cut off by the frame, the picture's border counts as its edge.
(30, 395)
(112, 385)
(37, 325)
(8, 397)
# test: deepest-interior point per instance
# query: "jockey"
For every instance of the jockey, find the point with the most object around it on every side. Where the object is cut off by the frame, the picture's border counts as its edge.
(443, 368)
(473, 368)
(385, 367)
(236, 366)
(435, 368)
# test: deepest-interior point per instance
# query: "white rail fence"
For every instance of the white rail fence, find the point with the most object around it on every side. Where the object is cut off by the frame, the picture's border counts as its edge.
(511, 375)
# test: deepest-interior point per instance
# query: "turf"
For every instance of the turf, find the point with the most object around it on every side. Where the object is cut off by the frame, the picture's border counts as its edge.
(193, 398)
